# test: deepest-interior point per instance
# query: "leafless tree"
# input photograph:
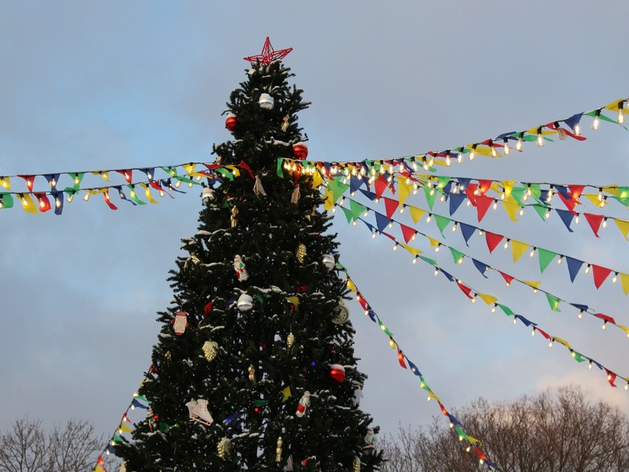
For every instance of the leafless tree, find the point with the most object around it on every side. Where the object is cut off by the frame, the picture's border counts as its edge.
(560, 432)
(27, 447)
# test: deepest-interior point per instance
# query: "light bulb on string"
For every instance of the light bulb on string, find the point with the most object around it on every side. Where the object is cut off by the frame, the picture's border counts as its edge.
(621, 114)
(587, 269)
(472, 153)
(576, 219)
(374, 234)
(597, 120)
(395, 246)
(415, 259)
(459, 157)
(518, 143)
(436, 271)
(560, 260)
(454, 227)
(429, 217)
(615, 278)
(604, 325)
(577, 130)
(448, 160)
(580, 315)
(480, 232)
(547, 214)
(550, 343)
(521, 212)
(495, 205)
(506, 244)
(532, 253)
(590, 365)
(540, 137)
(600, 194)
(549, 197)
(492, 149)
(505, 147)
(604, 222)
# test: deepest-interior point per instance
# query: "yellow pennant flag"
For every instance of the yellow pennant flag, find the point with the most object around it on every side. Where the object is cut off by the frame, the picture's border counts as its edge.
(234, 170)
(350, 285)
(433, 242)
(511, 207)
(624, 328)
(473, 440)
(317, 179)
(416, 213)
(508, 187)
(562, 341)
(98, 468)
(531, 284)
(28, 204)
(147, 192)
(624, 280)
(623, 226)
(286, 394)
(124, 428)
(489, 299)
(103, 173)
(517, 249)
(593, 197)
(5, 182)
(412, 250)
(328, 200)
(404, 189)
(612, 190)
(294, 300)
(432, 395)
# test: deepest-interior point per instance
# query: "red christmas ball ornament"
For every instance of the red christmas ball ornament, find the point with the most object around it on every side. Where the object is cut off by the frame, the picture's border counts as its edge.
(231, 122)
(300, 151)
(337, 372)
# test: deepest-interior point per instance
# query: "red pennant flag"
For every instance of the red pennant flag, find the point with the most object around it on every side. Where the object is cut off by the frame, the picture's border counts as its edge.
(243, 165)
(480, 454)
(484, 185)
(542, 332)
(388, 235)
(594, 221)
(566, 132)
(362, 301)
(407, 232)
(483, 202)
(30, 179)
(600, 274)
(611, 377)
(606, 318)
(569, 202)
(469, 191)
(43, 204)
(466, 290)
(100, 460)
(380, 185)
(400, 358)
(507, 277)
(391, 206)
(492, 240)
(207, 309)
(108, 201)
(128, 174)
(576, 191)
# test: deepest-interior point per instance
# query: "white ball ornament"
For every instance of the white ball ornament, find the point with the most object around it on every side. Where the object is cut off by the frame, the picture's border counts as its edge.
(328, 261)
(207, 194)
(340, 314)
(266, 102)
(245, 302)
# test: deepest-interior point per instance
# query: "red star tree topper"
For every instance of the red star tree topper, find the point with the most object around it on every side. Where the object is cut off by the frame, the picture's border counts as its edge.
(268, 54)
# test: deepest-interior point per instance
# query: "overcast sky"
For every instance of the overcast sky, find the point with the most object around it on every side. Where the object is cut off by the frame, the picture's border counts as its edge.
(110, 85)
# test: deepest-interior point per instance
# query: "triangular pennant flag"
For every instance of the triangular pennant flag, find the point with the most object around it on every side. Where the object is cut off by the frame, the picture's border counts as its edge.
(28, 204)
(540, 210)
(404, 190)
(569, 202)
(470, 191)
(381, 221)
(465, 289)
(481, 266)
(336, 185)
(370, 195)
(623, 226)
(624, 280)
(507, 277)
(431, 196)
(348, 214)
(574, 265)
(483, 202)
(517, 249)
(600, 274)
(488, 299)
(594, 221)
(380, 185)
(566, 217)
(611, 377)
(407, 232)
(390, 206)
(545, 258)
(442, 222)
(356, 208)
(457, 255)
(412, 250)
(553, 302)
(400, 358)
(512, 208)
(455, 202)
(467, 231)
(416, 213)
(492, 240)
(484, 185)
(413, 367)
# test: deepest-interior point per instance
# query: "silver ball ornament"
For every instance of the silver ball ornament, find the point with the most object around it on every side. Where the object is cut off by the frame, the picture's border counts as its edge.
(328, 261)
(266, 102)
(245, 302)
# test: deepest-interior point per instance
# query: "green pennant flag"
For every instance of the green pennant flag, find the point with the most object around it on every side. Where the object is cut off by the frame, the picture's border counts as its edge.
(508, 311)
(348, 214)
(6, 199)
(76, 179)
(577, 357)
(541, 210)
(280, 164)
(134, 196)
(430, 199)
(457, 255)
(356, 208)
(338, 188)
(224, 172)
(553, 302)
(385, 329)
(517, 193)
(442, 223)
(545, 258)
(536, 191)
(443, 181)
(430, 261)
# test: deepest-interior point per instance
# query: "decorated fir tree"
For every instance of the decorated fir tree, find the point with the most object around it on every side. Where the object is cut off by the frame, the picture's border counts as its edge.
(254, 368)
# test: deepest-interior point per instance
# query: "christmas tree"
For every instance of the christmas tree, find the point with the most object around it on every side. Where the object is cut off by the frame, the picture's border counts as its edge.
(254, 368)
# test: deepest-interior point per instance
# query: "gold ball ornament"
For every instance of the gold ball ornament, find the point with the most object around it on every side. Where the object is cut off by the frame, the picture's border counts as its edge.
(340, 314)
(210, 350)
(356, 464)
(224, 448)
(290, 340)
(300, 253)
(252, 373)
(278, 450)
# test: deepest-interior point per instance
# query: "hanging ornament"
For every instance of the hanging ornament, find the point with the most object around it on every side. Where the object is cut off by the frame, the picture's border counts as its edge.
(370, 442)
(289, 464)
(266, 102)
(193, 259)
(210, 350)
(300, 253)
(234, 221)
(258, 189)
(252, 373)
(198, 411)
(300, 150)
(207, 194)
(356, 464)
(358, 394)
(239, 267)
(290, 340)
(180, 323)
(245, 302)
(224, 448)
(304, 404)
(329, 261)
(278, 450)
(337, 372)
(340, 314)
(231, 122)
(294, 198)
(285, 123)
